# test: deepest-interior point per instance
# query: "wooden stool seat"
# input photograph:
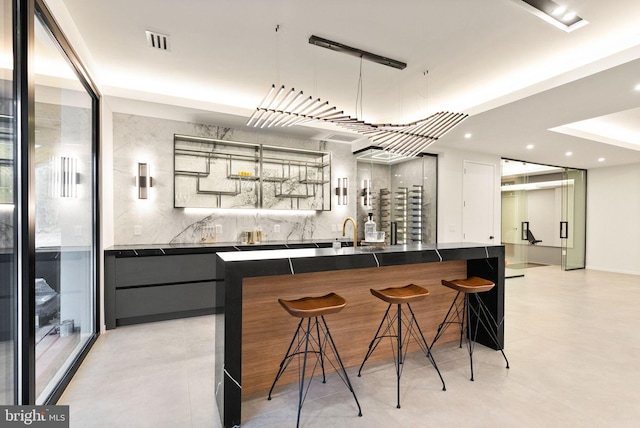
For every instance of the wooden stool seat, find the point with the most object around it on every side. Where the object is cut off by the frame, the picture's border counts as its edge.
(400, 295)
(307, 307)
(469, 285)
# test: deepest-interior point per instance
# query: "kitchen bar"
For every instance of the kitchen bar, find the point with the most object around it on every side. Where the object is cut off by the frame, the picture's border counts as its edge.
(253, 331)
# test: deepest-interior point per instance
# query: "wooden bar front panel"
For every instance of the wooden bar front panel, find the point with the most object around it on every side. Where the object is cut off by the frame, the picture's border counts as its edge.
(267, 329)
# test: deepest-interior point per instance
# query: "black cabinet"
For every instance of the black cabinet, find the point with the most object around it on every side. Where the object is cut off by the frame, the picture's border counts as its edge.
(162, 282)
(142, 287)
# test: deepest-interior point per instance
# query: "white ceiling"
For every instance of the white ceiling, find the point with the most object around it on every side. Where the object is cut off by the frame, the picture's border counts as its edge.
(515, 74)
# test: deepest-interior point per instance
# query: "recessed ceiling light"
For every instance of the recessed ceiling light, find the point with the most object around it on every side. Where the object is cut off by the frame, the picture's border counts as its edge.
(637, 88)
(467, 135)
(569, 153)
(559, 10)
(555, 14)
(600, 159)
(529, 146)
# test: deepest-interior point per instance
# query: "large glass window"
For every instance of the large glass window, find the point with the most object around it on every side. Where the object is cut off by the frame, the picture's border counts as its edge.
(65, 230)
(7, 207)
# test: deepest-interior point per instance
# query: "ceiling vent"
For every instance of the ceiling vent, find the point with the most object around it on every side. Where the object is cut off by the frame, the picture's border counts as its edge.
(158, 41)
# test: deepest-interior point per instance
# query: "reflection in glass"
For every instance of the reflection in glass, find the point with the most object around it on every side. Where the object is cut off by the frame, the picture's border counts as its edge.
(8, 282)
(64, 214)
(400, 193)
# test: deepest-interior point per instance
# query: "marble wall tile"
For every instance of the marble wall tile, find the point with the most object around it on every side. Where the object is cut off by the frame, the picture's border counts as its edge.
(156, 221)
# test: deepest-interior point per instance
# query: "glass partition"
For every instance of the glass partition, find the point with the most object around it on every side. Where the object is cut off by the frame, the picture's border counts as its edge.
(573, 223)
(400, 193)
(514, 205)
(65, 228)
(543, 216)
(8, 282)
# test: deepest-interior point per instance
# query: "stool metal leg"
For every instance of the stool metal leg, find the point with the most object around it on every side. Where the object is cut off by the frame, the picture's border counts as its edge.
(400, 356)
(482, 317)
(470, 342)
(376, 339)
(401, 345)
(487, 321)
(324, 378)
(287, 358)
(445, 324)
(427, 348)
(306, 336)
(342, 368)
(304, 368)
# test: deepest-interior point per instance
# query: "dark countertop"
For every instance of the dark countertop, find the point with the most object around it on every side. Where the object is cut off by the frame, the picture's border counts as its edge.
(281, 249)
(272, 254)
(134, 250)
(303, 260)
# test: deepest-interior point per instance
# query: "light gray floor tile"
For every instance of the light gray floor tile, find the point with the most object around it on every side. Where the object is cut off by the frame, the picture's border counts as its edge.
(571, 340)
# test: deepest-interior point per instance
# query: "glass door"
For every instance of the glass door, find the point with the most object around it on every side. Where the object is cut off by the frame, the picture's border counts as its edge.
(514, 217)
(573, 222)
(8, 250)
(65, 232)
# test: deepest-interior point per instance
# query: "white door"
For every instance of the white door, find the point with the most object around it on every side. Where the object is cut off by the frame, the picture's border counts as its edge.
(478, 193)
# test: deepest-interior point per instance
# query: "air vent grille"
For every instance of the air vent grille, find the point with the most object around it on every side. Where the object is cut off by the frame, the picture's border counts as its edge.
(158, 41)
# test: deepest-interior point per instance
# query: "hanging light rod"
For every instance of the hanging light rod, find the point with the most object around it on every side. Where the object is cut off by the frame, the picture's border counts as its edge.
(285, 109)
(339, 47)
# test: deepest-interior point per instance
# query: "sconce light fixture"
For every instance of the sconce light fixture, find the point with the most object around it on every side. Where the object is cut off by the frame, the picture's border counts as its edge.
(64, 177)
(144, 181)
(341, 191)
(366, 193)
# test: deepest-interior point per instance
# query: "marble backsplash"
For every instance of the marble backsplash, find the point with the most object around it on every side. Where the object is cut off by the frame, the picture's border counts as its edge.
(156, 221)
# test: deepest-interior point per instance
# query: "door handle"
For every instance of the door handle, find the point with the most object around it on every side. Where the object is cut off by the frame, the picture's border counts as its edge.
(524, 231)
(564, 229)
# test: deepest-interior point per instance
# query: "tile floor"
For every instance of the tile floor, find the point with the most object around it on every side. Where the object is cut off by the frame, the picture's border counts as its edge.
(572, 340)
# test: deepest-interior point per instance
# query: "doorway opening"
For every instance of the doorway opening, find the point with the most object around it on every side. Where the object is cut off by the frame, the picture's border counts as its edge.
(543, 216)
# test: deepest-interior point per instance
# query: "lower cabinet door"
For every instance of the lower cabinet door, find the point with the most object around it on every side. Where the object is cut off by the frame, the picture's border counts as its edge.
(141, 301)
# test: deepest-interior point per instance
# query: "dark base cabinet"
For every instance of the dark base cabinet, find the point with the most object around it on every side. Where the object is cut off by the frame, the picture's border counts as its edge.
(155, 285)
(162, 282)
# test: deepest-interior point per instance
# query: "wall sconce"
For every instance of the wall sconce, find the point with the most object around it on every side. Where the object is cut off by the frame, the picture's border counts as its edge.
(366, 193)
(64, 177)
(341, 191)
(144, 181)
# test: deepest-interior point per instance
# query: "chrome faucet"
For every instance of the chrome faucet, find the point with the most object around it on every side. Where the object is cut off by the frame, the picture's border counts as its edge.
(355, 230)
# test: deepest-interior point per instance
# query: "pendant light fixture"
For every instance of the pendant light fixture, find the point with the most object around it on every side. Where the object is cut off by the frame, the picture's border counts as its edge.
(283, 107)
(286, 108)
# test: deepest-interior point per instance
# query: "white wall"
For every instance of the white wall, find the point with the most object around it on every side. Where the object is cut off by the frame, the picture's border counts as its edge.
(450, 181)
(613, 219)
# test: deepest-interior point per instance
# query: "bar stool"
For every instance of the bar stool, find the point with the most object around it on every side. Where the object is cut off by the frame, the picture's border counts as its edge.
(394, 328)
(308, 309)
(461, 311)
